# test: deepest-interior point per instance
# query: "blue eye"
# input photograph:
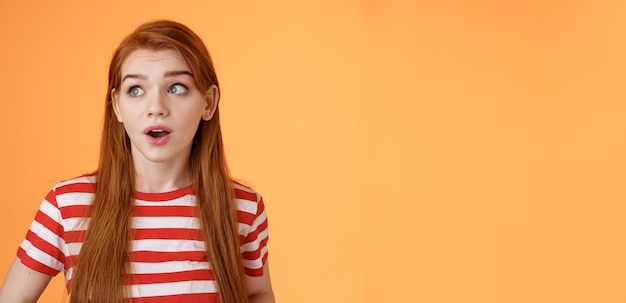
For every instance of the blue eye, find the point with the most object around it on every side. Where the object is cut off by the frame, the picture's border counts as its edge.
(135, 91)
(178, 89)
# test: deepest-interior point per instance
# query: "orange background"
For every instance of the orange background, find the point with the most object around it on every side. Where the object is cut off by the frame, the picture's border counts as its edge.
(408, 151)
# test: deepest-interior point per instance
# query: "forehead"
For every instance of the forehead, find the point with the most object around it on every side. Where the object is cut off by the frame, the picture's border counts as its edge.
(146, 61)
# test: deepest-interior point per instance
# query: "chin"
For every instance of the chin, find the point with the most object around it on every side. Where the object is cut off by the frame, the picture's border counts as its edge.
(157, 157)
(161, 154)
(160, 158)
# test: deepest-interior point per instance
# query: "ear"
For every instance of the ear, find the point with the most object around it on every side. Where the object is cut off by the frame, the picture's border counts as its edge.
(212, 98)
(115, 104)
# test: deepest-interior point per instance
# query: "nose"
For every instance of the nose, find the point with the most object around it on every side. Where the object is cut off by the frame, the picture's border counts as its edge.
(157, 106)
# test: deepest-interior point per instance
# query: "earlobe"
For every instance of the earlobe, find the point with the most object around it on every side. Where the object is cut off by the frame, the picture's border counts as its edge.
(212, 98)
(115, 104)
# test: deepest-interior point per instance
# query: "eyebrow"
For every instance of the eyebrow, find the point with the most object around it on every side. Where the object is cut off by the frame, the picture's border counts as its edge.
(167, 74)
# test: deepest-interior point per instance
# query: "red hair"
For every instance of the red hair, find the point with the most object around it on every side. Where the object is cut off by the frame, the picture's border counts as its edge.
(101, 269)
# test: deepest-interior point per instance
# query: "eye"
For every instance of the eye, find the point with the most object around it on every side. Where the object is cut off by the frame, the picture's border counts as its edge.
(178, 89)
(135, 91)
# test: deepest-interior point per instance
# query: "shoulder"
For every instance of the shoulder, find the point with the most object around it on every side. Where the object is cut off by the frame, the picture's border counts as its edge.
(247, 200)
(245, 192)
(85, 184)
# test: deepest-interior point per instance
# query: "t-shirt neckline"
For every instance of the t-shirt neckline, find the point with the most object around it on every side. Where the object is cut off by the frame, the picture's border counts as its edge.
(164, 196)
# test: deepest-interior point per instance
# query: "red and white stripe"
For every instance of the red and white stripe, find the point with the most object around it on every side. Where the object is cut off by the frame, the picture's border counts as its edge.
(169, 261)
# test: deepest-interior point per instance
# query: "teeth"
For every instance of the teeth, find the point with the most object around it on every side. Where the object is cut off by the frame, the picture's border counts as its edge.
(157, 133)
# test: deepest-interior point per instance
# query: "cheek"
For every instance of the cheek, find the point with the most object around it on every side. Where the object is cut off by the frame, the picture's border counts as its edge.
(128, 113)
(129, 121)
(195, 113)
(129, 129)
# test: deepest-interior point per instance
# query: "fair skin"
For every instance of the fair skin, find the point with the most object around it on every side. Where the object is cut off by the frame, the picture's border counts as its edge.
(22, 284)
(160, 107)
(158, 93)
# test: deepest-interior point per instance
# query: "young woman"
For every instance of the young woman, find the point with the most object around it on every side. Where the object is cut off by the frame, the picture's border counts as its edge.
(161, 220)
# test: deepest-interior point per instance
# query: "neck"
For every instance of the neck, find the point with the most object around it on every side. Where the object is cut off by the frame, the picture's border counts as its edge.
(155, 177)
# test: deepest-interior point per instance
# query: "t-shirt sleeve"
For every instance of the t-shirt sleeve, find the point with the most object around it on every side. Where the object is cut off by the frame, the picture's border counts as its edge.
(254, 248)
(42, 249)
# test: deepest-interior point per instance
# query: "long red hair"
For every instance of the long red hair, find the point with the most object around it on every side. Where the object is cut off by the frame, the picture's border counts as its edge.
(101, 270)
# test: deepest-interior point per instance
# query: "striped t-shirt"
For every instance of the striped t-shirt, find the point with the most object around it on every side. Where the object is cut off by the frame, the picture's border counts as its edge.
(169, 262)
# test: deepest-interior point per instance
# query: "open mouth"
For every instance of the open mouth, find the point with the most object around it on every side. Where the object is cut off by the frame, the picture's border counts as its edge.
(158, 133)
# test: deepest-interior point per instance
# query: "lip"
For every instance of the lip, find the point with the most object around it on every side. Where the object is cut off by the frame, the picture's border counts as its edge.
(151, 128)
(160, 140)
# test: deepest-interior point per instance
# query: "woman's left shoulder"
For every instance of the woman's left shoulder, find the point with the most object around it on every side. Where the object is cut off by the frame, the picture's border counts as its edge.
(247, 200)
(245, 192)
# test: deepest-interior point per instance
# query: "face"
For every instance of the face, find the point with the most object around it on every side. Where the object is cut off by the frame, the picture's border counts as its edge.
(160, 106)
